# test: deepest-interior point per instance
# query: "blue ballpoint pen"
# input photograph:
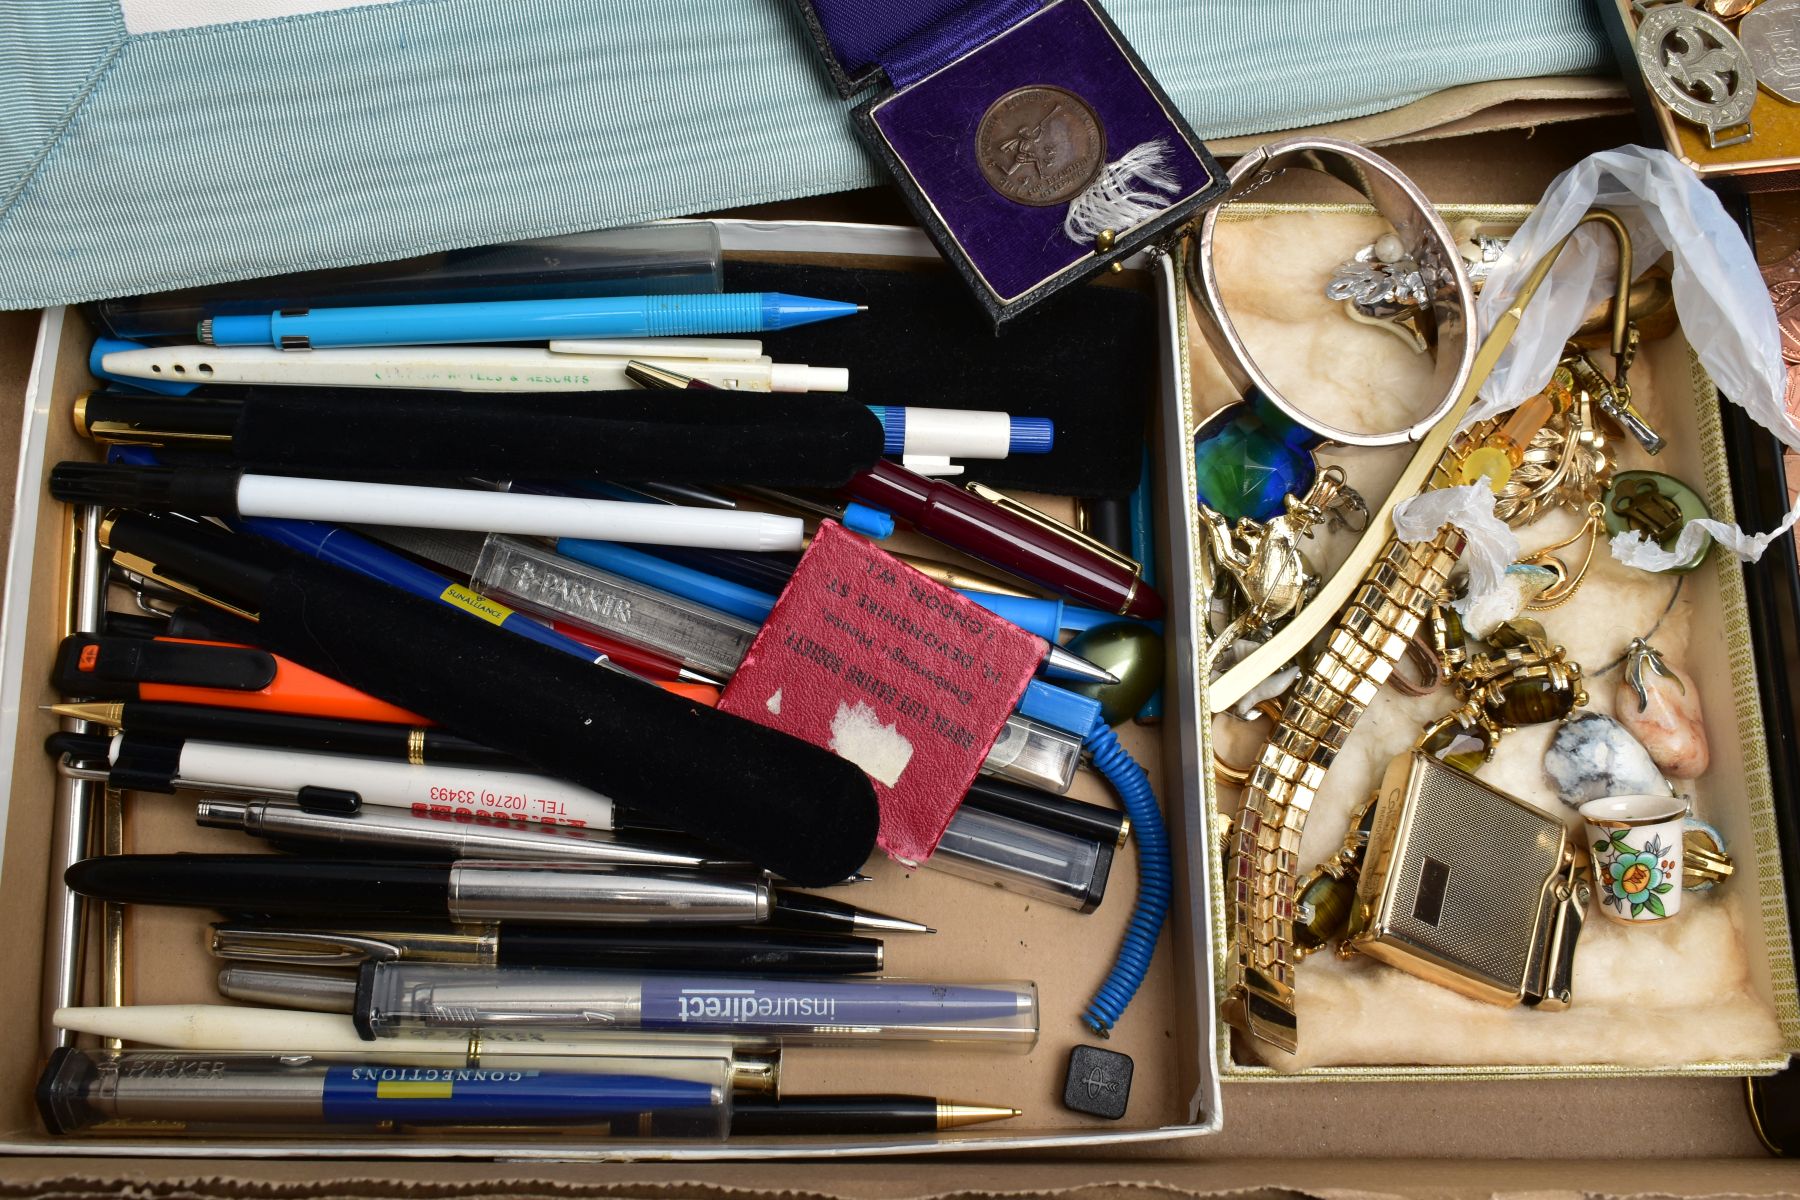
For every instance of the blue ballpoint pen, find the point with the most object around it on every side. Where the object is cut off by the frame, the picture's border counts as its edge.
(1143, 545)
(754, 605)
(1046, 618)
(521, 320)
(647, 569)
(80, 1088)
(353, 552)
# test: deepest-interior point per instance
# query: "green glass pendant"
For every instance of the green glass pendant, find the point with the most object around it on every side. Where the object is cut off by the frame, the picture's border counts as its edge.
(1464, 747)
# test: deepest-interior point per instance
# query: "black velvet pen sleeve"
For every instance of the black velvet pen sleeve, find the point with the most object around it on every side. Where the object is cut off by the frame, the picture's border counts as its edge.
(689, 436)
(788, 806)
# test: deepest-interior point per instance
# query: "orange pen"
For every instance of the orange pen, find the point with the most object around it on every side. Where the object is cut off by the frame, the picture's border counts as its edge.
(186, 671)
(219, 673)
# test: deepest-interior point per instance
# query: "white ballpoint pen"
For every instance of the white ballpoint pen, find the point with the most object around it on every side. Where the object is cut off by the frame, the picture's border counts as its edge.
(223, 492)
(452, 368)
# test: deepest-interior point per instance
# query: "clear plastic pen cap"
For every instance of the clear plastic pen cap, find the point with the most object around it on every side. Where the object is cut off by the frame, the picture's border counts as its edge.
(398, 997)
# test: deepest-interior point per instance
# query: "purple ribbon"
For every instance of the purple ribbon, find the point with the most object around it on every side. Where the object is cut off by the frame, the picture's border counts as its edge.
(912, 39)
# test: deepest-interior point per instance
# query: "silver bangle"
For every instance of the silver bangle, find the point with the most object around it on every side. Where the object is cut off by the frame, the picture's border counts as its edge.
(1448, 318)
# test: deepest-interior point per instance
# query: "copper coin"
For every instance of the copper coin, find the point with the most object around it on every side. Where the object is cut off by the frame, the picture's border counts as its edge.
(1040, 145)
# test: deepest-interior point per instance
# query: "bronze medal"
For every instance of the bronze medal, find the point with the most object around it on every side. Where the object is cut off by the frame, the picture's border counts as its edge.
(1040, 145)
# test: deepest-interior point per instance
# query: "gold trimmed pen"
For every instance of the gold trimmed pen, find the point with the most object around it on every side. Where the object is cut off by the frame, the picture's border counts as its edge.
(858, 1114)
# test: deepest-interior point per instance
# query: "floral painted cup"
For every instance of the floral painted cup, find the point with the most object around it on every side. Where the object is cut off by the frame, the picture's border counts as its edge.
(1637, 848)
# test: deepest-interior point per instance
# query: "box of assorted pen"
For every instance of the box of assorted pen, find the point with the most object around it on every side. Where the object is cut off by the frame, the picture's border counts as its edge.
(587, 725)
(1485, 747)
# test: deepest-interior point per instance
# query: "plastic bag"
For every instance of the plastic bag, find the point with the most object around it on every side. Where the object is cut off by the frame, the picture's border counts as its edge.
(1490, 547)
(1725, 309)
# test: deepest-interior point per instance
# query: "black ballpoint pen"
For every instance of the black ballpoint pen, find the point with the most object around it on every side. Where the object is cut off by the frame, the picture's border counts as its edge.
(497, 945)
(857, 1114)
(419, 745)
(463, 892)
(816, 914)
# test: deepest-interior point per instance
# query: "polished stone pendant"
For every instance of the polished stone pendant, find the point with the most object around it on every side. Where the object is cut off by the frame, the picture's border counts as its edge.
(1660, 706)
(1592, 756)
(1248, 457)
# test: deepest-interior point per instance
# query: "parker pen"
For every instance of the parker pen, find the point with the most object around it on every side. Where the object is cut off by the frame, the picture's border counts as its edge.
(756, 1066)
(450, 368)
(522, 320)
(191, 764)
(342, 548)
(82, 1089)
(225, 492)
(396, 996)
(981, 522)
(510, 945)
(464, 891)
(701, 638)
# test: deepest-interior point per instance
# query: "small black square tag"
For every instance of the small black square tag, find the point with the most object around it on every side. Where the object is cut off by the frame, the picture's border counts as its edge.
(1099, 1082)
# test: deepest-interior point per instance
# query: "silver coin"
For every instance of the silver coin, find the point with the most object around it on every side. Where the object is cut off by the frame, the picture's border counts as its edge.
(1771, 37)
(1697, 67)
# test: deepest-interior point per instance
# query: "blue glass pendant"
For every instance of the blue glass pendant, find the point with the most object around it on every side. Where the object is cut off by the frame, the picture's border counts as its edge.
(1248, 457)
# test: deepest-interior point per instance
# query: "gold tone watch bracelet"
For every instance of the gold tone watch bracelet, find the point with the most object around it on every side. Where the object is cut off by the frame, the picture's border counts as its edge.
(1263, 863)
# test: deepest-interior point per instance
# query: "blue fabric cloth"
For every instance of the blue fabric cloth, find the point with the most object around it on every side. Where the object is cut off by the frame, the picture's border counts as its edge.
(160, 160)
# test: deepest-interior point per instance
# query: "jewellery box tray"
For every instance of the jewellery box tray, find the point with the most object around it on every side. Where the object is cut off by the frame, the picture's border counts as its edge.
(984, 932)
(1768, 161)
(1743, 1001)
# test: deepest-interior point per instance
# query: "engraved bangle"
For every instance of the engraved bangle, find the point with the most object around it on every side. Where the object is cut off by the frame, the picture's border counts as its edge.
(1449, 318)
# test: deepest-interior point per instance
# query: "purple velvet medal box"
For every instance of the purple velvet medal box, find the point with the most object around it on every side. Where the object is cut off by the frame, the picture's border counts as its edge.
(1026, 135)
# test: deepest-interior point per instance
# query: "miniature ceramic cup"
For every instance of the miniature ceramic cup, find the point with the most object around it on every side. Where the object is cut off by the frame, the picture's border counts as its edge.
(1637, 847)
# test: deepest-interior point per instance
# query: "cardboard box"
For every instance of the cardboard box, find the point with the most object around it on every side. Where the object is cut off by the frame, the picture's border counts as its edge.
(986, 933)
(1689, 1136)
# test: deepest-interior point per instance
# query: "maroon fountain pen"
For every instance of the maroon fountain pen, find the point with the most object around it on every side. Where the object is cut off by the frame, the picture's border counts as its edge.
(992, 527)
(996, 529)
